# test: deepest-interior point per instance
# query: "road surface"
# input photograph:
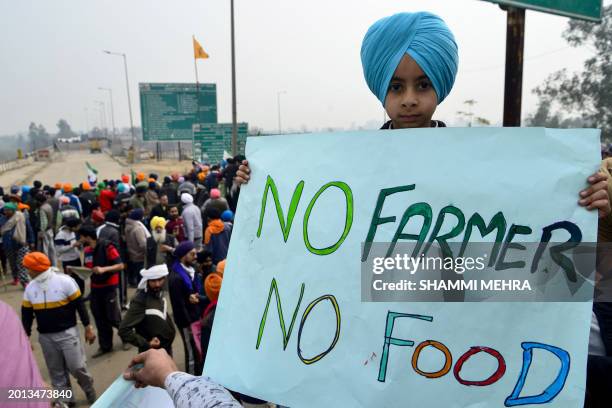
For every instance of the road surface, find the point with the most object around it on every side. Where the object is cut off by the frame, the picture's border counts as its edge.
(71, 168)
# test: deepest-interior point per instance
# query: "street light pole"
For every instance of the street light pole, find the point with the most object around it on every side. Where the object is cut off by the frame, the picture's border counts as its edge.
(102, 116)
(278, 94)
(127, 83)
(110, 92)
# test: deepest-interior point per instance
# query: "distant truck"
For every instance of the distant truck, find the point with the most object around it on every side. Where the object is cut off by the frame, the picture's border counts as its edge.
(95, 146)
(42, 155)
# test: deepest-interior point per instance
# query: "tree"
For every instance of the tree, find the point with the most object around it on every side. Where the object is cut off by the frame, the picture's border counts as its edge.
(32, 135)
(469, 117)
(581, 98)
(65, 132)
(21, 143)
(43, 136)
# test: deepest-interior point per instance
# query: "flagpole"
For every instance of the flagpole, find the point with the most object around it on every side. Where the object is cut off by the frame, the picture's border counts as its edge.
(195, 66)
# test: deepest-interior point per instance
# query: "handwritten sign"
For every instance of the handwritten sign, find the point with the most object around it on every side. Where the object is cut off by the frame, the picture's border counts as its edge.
(291, 326)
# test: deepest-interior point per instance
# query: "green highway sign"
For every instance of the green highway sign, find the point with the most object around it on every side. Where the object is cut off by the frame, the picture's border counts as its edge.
(210, 140)
(580, 9)
(168, 111)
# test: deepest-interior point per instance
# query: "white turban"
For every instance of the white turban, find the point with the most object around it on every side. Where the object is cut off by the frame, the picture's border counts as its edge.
(186, 198)
(154, 272)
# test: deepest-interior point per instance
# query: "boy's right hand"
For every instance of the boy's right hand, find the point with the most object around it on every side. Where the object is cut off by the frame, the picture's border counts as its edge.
(243, 175)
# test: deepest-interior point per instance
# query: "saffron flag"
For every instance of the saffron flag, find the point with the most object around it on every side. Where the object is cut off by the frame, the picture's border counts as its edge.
(198, 51)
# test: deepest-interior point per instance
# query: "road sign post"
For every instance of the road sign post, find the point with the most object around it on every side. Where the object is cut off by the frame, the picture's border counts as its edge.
(513, 87)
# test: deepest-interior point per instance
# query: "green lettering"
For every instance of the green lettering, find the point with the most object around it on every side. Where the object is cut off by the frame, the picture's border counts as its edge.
(497, 222)
(376, 220)
(295, 199)
(348, 221)
(422, 209)
(514, 230)
(446, 251)
(262, 324)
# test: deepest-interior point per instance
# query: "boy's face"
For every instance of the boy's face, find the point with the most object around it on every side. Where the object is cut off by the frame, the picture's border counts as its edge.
(411, 99)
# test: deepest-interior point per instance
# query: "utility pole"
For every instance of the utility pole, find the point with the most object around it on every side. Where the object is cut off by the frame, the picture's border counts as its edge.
(127, 84)
(102, 111)
(112, 109)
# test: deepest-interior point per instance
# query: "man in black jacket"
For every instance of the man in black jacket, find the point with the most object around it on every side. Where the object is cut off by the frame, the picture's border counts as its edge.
(110, 233)
(147, 323)
(184, 289)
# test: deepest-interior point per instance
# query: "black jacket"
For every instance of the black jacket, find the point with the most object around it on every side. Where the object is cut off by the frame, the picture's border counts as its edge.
(434, 123)
(159, 211)
(184, 312)
(138, 327)
(87, 200)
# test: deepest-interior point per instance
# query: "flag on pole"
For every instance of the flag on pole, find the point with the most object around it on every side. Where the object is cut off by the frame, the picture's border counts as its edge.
(198, 51)
(92, 174)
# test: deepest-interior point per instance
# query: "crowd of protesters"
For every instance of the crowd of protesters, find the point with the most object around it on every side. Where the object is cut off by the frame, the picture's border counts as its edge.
(72, 245)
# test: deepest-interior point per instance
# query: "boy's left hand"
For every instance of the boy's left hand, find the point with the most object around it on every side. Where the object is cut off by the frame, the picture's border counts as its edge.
(596, 196)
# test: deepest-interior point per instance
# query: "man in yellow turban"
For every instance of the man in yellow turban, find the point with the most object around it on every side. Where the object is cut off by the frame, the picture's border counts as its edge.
(161, 244)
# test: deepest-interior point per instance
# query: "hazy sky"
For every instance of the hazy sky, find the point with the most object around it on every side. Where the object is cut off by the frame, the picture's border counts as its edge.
(51, 59)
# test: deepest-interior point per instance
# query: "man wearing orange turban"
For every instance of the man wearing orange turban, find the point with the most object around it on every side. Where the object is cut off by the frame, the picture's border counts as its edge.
(54, 299)
(212, 286)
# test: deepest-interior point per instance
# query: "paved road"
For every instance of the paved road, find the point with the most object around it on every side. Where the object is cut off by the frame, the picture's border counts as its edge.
(71, 168)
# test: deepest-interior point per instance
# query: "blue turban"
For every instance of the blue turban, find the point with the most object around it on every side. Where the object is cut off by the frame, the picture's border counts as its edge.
(183, 249)
(136, 214)
(423, 36)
